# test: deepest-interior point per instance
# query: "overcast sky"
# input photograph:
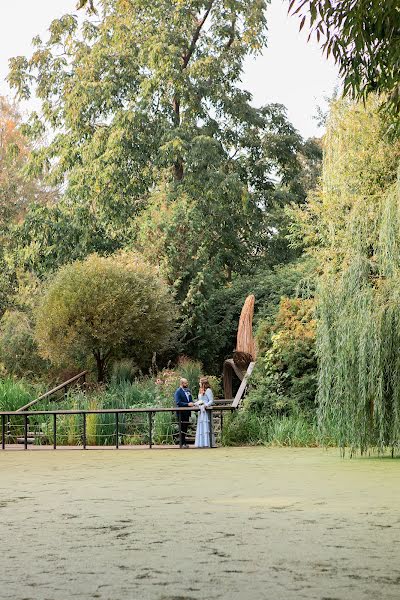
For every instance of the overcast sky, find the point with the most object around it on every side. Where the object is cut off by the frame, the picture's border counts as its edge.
(290, 71)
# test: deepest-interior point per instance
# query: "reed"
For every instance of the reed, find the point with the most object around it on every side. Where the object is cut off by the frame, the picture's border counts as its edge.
(296, 430)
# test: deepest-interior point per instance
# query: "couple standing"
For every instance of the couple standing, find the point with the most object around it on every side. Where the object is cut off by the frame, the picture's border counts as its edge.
(184, 399)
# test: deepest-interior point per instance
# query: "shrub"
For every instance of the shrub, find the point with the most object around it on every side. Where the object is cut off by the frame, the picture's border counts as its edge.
(105, 308)
(243, 428)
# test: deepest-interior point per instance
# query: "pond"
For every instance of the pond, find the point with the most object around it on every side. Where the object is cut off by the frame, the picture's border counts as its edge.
(237, 523)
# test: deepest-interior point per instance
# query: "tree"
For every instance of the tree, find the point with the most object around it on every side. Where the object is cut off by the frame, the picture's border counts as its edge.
(206, 238)
(17, 193)
(105, 307)
(18, 349)
(16, 190)
(50, 236)
(352, 226)
(149, 89)
(144, 99)
(364, 39)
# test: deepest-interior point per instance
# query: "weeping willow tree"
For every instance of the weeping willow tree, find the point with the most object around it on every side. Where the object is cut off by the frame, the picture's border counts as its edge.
(353, 225)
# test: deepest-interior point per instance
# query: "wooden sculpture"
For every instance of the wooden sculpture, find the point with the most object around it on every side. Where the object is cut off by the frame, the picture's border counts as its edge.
(245, 352)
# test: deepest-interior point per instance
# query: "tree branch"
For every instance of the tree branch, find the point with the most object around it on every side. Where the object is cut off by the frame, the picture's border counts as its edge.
(232, 34)
(186, 57)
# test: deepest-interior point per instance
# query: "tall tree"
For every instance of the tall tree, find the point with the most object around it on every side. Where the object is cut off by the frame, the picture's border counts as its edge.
(17, 190)
(149, 87)
(148, 98)
(352, 225)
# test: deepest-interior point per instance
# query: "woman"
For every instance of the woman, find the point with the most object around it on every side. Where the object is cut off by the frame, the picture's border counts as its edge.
(206, 399)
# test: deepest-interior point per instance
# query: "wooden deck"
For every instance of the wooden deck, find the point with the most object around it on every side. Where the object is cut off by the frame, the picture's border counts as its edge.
(48, 447)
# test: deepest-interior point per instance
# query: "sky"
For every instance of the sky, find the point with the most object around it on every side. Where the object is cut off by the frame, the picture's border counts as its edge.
(290, 71)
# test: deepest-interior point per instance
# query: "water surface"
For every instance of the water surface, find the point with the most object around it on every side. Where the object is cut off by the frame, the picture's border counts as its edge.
(236, 523)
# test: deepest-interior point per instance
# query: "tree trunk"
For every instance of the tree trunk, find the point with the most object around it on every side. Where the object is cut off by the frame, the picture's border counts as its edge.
(100, 364)
(178, 170)
(178, 164)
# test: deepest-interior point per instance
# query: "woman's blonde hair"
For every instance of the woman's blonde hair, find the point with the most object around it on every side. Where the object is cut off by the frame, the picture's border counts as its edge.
(204, 383)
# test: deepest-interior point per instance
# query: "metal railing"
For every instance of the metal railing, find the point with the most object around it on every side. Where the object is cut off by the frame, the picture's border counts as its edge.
(61, 386)
(150, 412)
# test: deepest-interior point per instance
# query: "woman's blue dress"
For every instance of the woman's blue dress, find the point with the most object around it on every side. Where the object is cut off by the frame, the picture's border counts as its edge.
(203, 420)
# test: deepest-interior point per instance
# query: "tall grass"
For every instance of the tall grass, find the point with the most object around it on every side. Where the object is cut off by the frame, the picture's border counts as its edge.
(14, 394)
(297, 430)
(124, 371)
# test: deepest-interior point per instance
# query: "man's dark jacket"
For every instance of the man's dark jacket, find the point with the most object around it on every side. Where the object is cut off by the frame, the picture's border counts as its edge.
(181, 399)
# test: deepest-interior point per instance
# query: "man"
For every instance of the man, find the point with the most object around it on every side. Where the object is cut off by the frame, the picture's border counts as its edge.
(183, 399)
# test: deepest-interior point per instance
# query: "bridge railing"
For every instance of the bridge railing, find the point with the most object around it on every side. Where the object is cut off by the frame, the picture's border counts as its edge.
(62, 386)
(118, 421)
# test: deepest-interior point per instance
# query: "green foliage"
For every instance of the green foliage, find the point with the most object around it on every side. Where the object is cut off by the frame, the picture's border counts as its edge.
(7, 284)
(124, 370)
(363, 38)
(120, 123)
(243, 428)
(207, 237)
(159, 149)
(215, 322)
(353, 227)
(360, 164)
(18, 349)
(359, 333)
(285, 376)
(107, 308)
(17, 191)
(50, 236)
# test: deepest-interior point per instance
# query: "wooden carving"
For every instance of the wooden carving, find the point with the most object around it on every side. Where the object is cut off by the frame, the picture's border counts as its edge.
(245, 352)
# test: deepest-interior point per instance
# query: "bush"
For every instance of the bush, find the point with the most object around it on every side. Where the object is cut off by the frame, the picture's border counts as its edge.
(105, 308)
(243, 428)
